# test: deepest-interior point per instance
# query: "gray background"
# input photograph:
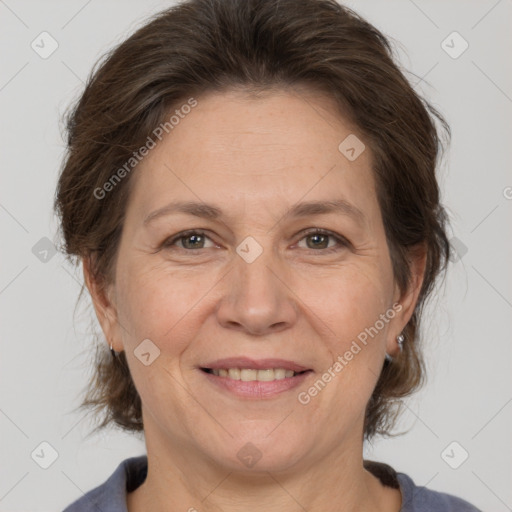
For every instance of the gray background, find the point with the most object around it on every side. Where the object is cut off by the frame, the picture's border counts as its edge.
(45, 359)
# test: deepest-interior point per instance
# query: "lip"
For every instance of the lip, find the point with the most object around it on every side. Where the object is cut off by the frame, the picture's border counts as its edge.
(256, 364)
(256, 389)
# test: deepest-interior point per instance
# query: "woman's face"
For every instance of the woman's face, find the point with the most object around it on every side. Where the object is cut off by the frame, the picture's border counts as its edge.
(251, 284)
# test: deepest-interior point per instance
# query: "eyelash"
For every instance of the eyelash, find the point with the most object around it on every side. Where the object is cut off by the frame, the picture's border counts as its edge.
(343, 242)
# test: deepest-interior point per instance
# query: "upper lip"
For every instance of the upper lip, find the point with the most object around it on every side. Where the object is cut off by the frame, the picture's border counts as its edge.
(257, 364)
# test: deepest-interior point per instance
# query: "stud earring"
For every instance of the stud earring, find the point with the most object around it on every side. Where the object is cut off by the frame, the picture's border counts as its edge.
(112, 351)
(400, 340)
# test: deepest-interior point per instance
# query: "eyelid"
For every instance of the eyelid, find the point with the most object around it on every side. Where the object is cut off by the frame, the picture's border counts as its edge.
(169, 242)
(342, 241)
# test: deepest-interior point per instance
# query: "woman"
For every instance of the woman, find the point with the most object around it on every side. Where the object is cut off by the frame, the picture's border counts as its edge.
(250, 186)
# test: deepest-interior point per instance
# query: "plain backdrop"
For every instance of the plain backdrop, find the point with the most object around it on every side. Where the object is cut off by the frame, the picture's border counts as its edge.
(45, 352)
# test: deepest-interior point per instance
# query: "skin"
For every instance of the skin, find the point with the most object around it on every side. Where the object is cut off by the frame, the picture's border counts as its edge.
(255, 157)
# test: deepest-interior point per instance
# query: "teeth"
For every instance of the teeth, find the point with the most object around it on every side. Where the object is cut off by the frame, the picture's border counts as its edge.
(249, 374)
(266, 375)
(279, 373)
(234, 373)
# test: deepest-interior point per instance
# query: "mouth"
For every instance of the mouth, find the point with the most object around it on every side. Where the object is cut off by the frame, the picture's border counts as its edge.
(253, 374)
(256, 379)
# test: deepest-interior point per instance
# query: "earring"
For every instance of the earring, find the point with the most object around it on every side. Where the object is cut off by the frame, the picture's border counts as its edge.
(400, 340)
(112, 351)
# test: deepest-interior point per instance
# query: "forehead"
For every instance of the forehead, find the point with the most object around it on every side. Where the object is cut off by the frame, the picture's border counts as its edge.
(279, 147)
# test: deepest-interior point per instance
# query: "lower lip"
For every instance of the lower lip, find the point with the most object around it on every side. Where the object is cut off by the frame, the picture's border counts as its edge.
(255, 388)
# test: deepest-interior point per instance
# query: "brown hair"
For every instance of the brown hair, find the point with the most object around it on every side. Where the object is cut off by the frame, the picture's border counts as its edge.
(213, 45)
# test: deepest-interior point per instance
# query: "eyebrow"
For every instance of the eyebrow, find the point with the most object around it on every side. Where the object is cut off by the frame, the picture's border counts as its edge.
(304, 209)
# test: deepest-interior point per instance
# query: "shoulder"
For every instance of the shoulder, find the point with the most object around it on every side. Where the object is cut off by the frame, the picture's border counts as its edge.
(421, 499)
(415, 498)
(111, 495)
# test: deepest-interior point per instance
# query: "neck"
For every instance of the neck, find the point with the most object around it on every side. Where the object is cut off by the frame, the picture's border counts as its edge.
(181, 477)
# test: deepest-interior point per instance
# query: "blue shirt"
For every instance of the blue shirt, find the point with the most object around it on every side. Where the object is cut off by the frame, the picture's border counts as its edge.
(111, 495)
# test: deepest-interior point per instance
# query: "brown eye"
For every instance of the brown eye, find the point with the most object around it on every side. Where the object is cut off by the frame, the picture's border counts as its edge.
(192, 241)
(187, 240)
(320, 239)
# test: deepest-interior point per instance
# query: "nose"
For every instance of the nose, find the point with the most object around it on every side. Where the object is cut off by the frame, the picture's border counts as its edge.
(257, 299)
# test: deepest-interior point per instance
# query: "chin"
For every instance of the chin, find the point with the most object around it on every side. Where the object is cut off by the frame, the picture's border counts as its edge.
(260, 451)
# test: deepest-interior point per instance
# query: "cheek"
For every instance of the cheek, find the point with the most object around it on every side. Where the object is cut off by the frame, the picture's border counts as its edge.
(154, 304)
(352, 310)
(355, 301)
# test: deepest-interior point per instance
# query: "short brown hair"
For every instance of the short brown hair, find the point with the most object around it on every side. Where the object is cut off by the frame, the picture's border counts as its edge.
(199, 46)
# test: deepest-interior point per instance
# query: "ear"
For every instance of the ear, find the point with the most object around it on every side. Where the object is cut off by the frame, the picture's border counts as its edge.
(105, 308)
(408, 298)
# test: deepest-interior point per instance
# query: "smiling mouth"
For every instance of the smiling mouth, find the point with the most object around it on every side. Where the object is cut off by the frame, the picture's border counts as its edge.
(251, 374)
